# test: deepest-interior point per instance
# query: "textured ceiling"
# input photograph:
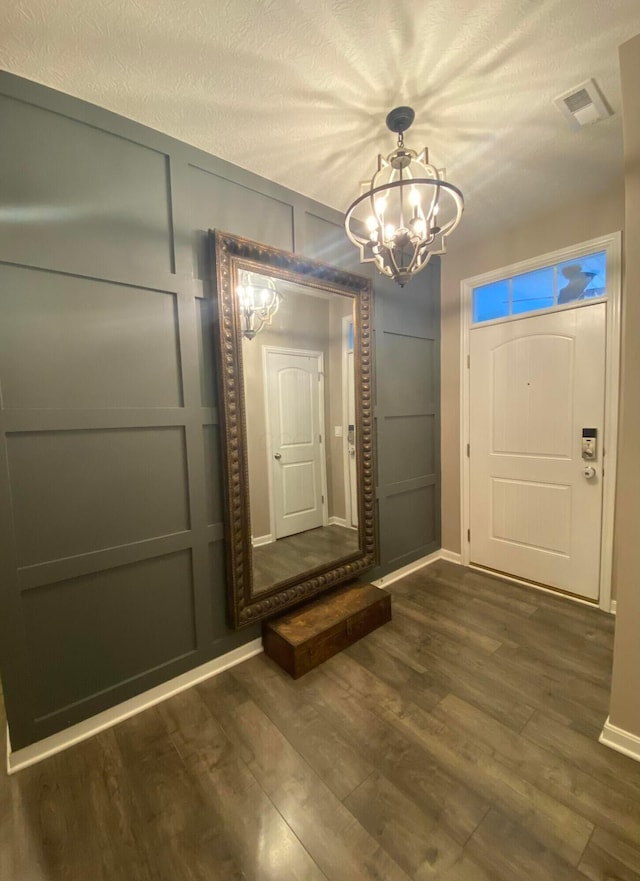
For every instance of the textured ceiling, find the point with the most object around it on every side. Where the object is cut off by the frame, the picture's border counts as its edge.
(298, 90)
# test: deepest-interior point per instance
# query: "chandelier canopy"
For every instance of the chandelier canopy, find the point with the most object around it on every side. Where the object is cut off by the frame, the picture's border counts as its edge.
(259, 300)
(405, 212)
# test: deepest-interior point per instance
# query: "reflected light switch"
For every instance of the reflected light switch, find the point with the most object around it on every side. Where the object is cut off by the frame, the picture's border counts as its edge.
(337, 431)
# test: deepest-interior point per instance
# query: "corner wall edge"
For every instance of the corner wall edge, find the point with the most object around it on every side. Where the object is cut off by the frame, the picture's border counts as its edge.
(622, 741)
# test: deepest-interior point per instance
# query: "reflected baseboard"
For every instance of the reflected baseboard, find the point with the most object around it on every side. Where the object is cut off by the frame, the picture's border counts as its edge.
(339, 521)
(260, 540)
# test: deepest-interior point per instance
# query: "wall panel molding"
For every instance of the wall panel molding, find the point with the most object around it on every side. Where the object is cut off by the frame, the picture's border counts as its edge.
(52, 571)
(153, 280)
(103, 244)
(407, 389)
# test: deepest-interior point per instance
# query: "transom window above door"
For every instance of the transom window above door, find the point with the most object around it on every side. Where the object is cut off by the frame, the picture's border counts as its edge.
(577, 279)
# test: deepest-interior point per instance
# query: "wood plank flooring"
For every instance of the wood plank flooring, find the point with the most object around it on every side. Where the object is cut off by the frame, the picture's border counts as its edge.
(458, 743)
(294, 555)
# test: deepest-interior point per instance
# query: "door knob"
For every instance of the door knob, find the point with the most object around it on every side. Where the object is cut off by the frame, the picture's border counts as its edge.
(277, 456)
(588, 472)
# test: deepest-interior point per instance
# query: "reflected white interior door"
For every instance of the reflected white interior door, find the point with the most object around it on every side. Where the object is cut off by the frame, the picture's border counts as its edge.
(293, 394)
(535, 383)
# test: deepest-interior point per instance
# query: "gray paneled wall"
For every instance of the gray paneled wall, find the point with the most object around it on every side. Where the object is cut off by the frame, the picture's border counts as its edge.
(111, 554)
(408, 417)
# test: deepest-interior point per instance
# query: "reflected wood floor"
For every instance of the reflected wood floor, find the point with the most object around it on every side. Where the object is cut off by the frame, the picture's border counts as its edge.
(291, 556)
(458, 742)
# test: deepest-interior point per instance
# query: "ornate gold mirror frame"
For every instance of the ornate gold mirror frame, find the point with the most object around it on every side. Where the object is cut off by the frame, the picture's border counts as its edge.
(313, 282)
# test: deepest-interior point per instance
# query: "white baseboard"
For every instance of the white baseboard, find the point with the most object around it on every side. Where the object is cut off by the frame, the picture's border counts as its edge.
(591, 604)
(451, 556)
(49, 746)
(622, 741)
(396, 575)
(260, 540)
(62, 740)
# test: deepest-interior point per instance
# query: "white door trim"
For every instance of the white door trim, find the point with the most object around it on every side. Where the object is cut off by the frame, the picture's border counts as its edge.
(346, 458)
(345, 421)
(287, 350)
(612, 244)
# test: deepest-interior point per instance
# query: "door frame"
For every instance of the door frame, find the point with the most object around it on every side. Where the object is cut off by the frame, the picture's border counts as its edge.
(612, 244)
(288, 350)
(346, 464)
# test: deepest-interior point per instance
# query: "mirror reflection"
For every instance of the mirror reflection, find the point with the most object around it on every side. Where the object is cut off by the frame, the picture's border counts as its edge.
(294, 365)
(298, 373)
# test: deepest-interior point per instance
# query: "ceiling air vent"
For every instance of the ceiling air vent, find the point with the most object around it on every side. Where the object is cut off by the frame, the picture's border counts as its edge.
(583, 105)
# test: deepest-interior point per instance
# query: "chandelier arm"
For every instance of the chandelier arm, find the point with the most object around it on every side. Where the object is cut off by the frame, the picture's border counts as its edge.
(455, 192)
(414, 259)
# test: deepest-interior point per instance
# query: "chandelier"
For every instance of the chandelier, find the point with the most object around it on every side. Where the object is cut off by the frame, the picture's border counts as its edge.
(405, 212)
(259, 300)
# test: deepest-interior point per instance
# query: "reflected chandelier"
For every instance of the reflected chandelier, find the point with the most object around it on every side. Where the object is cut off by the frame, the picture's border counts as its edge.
(259, 301)
(405, 211)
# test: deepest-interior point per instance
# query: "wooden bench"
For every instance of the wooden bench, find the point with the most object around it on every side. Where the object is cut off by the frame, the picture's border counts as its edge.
(301, 640)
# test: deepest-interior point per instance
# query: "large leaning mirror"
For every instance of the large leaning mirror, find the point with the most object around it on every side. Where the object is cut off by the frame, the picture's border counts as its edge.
(294, 345)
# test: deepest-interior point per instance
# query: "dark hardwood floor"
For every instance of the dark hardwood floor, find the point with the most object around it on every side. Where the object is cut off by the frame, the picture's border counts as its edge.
(458, 742)
(291, 556)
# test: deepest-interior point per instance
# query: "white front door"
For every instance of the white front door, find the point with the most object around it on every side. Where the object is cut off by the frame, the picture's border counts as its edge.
(293, 396)
(535, 384)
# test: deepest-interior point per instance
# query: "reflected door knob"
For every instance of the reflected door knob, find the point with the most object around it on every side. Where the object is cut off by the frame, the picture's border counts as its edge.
(277, 456)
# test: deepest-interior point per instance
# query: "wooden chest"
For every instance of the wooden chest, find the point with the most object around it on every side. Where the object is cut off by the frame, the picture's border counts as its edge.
(303, 639)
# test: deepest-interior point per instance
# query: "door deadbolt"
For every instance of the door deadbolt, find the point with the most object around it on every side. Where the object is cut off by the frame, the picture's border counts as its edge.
(589, 444)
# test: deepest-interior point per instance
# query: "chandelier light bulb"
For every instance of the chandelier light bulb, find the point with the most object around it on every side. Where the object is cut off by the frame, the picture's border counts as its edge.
(406, 193)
